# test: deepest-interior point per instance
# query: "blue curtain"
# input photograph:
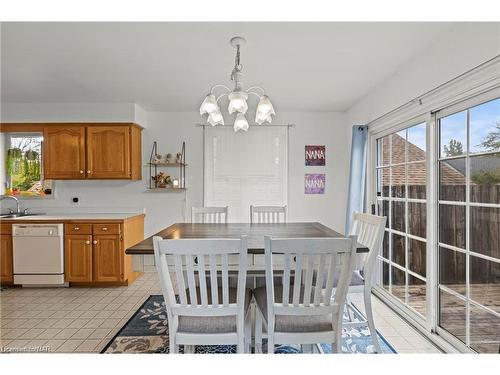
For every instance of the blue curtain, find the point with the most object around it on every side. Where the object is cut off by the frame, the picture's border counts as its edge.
(357, 174)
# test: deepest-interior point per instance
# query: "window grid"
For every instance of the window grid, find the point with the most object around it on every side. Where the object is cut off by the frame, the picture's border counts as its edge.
(406, 199)
(469, 302)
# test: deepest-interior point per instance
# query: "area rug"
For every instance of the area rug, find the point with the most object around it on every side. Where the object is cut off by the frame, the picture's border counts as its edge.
(147, 332)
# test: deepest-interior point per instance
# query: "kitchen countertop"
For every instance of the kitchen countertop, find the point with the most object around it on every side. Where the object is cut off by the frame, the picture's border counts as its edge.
(82, 217)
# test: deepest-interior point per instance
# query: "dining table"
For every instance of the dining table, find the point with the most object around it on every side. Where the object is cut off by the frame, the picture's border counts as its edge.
(255, 233)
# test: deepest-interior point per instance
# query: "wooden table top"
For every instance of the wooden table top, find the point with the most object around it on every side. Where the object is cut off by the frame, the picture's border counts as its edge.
(255, 234)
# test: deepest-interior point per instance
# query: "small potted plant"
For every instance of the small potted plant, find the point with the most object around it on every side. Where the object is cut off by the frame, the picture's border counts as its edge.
(162, 180)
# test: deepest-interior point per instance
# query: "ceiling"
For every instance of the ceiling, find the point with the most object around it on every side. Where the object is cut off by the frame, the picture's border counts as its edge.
(171, 66)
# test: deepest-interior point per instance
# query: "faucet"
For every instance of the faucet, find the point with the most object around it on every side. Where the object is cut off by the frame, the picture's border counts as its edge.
(15, 199)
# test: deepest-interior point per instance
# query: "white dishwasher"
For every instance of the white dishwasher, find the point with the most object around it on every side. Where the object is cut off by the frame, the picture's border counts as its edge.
(38, 251)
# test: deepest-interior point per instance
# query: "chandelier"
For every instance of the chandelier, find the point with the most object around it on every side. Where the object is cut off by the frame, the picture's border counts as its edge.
(237, 98)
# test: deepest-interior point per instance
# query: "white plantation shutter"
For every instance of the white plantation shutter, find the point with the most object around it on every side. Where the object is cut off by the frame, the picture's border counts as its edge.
(243, 169)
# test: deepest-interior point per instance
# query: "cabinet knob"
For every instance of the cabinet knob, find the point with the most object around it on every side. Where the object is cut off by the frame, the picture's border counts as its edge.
(104, 228)
(76, 228)
(94, 242)
(87, 242)
(89, 171)
(81, 171)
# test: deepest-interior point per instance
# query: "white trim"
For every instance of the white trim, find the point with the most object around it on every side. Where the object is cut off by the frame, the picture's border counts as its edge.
(476, 81)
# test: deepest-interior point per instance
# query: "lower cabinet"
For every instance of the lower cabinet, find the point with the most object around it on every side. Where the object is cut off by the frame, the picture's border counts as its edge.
(6, 274)
(78, 257)
(108, 265)
(93, 257)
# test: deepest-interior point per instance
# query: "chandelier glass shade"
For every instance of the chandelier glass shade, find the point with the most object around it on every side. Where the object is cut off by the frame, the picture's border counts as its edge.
(238, 98)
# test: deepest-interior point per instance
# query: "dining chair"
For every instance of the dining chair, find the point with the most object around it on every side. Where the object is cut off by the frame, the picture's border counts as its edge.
(369, 230)
(213, 215)
(300, 310)
(207, 310)
(267, 214)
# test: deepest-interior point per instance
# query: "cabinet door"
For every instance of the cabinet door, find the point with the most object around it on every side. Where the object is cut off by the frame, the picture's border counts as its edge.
(78, 258)
(6, 259)
(107, 258)
(108, 152)
(64, 152)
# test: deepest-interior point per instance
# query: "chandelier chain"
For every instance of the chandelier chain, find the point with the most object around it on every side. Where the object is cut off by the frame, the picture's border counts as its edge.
(237, 65)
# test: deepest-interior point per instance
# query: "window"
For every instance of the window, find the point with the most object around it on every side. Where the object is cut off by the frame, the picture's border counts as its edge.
(401, 197)
(243, 169)
(469, 226)
(23, 173)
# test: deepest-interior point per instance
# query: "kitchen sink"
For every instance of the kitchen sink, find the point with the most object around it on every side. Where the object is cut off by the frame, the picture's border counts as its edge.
(12, 216)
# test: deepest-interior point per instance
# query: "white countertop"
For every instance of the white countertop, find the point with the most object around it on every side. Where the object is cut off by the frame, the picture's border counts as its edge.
(86, 216)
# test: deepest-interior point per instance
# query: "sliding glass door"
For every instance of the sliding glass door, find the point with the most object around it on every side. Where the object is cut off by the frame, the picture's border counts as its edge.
(440, 260)
(469, 225)
(401, 174)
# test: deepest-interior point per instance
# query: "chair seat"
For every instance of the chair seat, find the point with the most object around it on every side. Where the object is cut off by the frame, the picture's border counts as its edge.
(292, 323)
(212, 324)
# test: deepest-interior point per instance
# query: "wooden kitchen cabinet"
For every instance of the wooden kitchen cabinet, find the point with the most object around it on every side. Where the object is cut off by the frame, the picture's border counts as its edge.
(94, 249)
(78, 258)
(108, 152)
(6, 272)
(108, 265)
(92, 151)
(64, 152)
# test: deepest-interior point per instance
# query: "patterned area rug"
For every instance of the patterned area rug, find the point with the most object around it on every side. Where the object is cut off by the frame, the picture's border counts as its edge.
(147, 332)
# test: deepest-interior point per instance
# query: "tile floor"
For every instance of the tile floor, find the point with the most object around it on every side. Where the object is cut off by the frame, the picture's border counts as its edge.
(83, 320)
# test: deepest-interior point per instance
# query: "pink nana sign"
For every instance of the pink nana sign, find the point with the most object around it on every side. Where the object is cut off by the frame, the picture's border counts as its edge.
(314, 183)
(315, 155)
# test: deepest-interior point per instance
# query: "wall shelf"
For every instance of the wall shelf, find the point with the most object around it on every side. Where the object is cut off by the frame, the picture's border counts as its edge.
(153, 170)
(165, 190)
(172, 165)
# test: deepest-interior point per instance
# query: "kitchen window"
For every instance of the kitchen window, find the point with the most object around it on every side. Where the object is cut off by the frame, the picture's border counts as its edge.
(21, 167)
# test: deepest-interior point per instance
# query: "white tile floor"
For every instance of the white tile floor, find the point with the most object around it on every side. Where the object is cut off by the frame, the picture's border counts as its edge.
(67, 320)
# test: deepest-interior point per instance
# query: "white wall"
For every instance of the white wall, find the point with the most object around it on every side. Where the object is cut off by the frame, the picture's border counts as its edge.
(464, 47)
(169, 129)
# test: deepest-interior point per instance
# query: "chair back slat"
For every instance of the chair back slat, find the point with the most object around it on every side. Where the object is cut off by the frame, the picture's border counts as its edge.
(308, 279)
(209, 215)
(201, 256)
(297, 280)
(320, 279)
(267, 214)
(213, 279)
(286, 279)
(225, 280)
(179, 276)
(202, 279)
(191, 280)
(332, 266)
(324, 257)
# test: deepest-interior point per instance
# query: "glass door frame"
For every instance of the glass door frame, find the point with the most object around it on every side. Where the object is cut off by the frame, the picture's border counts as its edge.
(430, 325)
(447, 111)
(424, 322)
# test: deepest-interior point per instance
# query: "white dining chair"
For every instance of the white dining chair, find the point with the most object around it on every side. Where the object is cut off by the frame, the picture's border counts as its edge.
(303, 312)
(204, 314)
(267, 214)
(211, 215)
(369, 230)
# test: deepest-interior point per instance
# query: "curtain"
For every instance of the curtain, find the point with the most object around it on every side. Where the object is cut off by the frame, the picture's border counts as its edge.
(357, 174)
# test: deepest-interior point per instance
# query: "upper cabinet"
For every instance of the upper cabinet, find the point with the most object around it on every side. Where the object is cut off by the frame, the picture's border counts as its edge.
(64, 152)
(92, 151)
(108, 152)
